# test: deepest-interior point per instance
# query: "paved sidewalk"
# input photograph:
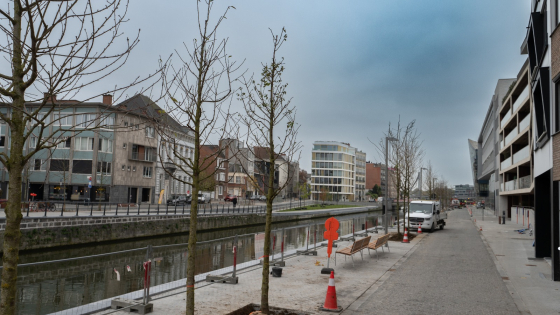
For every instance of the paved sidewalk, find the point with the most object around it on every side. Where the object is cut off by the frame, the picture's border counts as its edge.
(301, 287)
(528, 279)
(451, 273)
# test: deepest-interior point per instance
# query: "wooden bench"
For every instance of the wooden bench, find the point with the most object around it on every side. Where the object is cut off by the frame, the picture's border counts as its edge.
(357, 246)
(378, 243)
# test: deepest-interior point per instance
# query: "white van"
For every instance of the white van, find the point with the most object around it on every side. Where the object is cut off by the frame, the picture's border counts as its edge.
(427, 214)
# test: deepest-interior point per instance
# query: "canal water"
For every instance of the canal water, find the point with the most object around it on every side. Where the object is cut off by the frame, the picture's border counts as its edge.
(52, 287)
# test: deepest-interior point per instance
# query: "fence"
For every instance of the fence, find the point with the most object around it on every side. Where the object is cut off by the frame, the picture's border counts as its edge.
(84, 283)
(60, 209)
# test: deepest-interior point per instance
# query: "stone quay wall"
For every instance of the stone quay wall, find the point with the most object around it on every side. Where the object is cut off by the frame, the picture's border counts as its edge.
(51, 232)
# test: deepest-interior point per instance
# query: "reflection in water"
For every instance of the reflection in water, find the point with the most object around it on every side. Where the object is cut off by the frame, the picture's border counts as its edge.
(54, 287)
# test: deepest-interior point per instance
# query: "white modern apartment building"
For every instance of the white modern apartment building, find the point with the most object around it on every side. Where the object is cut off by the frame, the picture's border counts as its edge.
(360, 193)
(333, 171)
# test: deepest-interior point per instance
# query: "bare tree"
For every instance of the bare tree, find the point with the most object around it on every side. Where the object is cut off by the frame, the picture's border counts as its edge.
(429, 180)
(51, 48)
(196, 94)
(395, 158)
(412, 158)
(267, 111)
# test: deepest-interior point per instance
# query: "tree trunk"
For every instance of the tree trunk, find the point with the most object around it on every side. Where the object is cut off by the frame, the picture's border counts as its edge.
(12, 234)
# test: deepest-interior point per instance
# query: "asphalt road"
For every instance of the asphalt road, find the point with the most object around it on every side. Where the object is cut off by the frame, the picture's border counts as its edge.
(451, 272)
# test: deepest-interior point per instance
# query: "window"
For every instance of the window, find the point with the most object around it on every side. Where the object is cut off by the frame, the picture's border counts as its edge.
(60, 165)
(2, 134)
(105, 145)
(104, 168)
(108, 122)
(147, 172)
(137, 126)
(64, 143)
(124, 146)
(85, 120)
(150, 154)
(134, 168)
(230, 178)
(33, 142)
(82, 166)
(238, 179)
(38, 165)
(220, 190)
(128, 168)
(150, 132)
(222, 177)
(83, 144)
(43, 118)
(123, 167)
(126, 123)
(62, 119)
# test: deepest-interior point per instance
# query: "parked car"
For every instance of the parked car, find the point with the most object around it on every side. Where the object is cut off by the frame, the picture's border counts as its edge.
(262, 197)
(179, 200)
(229, 198)
(480, 205)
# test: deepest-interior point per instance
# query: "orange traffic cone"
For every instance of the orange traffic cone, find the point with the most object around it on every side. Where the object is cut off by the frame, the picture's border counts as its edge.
(330, 300)
(405, 237)
(419, 228)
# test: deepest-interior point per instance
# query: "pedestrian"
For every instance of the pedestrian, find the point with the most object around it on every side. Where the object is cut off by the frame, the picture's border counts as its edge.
(234, 201)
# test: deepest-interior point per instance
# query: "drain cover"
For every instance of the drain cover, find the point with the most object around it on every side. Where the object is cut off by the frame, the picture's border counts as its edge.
(505, 278)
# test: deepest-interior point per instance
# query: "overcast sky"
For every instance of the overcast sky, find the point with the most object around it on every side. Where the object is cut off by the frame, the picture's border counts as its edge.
(355, 66)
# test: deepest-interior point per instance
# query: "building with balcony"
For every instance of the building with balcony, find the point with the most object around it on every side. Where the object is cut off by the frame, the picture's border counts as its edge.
(488, 145)
(516, 145)
(333, 171)
(174, 147)
(360, 192)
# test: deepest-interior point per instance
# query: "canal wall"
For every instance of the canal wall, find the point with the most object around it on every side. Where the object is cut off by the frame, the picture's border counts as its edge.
(51, 232)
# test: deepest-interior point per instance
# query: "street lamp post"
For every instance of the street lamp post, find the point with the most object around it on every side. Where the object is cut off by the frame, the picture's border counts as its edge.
(420, 181)
(386, 220)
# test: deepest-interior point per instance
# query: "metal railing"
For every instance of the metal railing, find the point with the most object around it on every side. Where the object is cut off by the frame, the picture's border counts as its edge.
(91, 209)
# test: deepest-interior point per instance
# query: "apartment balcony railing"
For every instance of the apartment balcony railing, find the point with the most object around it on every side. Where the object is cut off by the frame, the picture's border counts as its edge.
(505, 119)
(525, 123)
(505, 163)
(511, 185)
(521, 98)
(525, 182)
(511, 135)
(521, 155)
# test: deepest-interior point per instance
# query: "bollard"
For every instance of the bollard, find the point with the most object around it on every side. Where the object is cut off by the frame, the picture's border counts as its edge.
(149, 205)
(77, 208)
(138, 210)
(528, 221)
(504, 217)
(175, 212)
(127, 208)
(104, 208)
(282, 248)
(117, 210)
(91, 210)
(158, 208)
